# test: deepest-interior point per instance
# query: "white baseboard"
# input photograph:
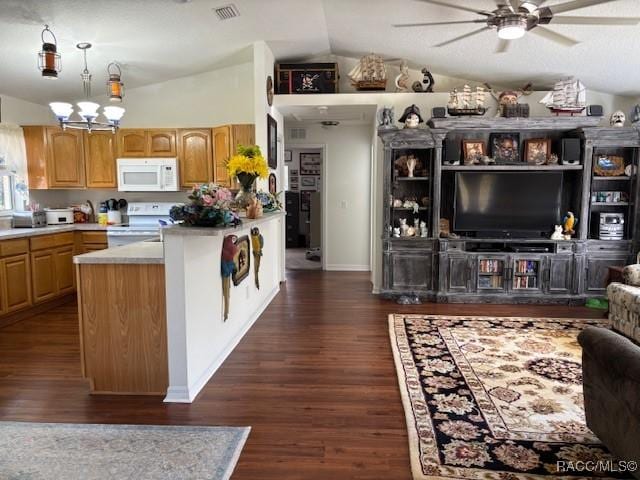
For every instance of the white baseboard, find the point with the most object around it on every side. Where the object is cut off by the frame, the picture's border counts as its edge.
(347, 268)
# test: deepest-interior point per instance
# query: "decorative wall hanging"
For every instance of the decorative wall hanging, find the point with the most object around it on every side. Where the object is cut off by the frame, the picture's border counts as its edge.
(272, 141)
(273, 184)
(269, 90)
(115, 87)
(257, 242)
(227, 267)
(505, 147)
(288, 157)
(48, 57)
(241, 260)
(310, 164)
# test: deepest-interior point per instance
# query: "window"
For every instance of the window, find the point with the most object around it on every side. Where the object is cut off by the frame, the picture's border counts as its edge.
(6, 192)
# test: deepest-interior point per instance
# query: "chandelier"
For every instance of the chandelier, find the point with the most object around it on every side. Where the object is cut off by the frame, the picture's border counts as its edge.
(87, 111)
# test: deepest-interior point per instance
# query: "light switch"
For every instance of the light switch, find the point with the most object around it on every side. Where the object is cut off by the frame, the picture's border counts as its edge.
(343, 204)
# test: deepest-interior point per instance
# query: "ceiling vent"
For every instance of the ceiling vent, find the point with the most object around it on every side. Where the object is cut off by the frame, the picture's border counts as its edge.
(227, 12)
(297, 134)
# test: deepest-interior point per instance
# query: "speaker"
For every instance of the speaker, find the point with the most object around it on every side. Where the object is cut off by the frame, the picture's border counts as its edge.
(570, 151)
(452, 152)
(438, 112)
(595, 110)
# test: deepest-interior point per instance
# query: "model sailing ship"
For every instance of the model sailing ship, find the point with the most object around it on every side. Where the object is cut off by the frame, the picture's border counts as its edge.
(369, 74)
(568, 96)
(467, 102)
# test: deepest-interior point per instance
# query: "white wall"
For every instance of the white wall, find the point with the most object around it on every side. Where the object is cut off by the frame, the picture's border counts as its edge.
(21, 112)
(346, 194)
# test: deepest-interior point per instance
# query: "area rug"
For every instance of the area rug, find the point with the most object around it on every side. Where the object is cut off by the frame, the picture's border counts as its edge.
(39, 451)
(493, 398)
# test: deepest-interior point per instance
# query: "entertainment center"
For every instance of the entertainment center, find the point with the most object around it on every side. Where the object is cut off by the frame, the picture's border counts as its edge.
(479, 232)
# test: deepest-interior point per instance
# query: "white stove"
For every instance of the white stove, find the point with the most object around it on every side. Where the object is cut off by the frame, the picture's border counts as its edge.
(145, 221)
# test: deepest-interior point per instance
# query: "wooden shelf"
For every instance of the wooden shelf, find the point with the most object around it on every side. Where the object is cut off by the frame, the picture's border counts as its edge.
(510, 168)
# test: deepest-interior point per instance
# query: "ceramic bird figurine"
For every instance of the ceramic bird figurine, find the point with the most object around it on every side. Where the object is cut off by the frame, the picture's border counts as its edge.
(570, 221)
(257, 243)
(228, 267)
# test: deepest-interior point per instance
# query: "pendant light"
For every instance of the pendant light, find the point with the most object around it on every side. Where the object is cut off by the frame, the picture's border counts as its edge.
(48, 57)
(115, 87)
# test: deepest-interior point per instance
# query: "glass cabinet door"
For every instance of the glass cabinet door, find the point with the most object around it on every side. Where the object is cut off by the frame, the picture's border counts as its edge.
(526, 274)
(491, 274)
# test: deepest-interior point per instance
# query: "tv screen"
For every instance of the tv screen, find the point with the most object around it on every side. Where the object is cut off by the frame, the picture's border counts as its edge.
(507, 201)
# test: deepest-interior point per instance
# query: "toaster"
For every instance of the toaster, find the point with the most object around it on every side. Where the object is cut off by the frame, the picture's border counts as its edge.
(59, 216)
(29, 219)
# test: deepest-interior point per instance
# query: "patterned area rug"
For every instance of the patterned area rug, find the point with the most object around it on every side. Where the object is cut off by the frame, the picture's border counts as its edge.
(488, 397)
(55, 451)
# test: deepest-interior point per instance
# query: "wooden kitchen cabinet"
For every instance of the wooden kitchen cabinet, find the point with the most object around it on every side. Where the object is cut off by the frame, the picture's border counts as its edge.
(52, 273)
(225, 142)
(43, 275)
(161, 143)
(100, 159)
(132, 142)
(195, 156)
(16, 283)
(64, 271)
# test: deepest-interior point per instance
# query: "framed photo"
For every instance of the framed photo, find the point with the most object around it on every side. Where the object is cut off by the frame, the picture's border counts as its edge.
(609, 166)
(308, 181)
(293, 173)
(242, 260)
(272, 141)
(310, 163)
(288, 156)
(273, 183)
(473, 151)
(537, 150)
(505, 147)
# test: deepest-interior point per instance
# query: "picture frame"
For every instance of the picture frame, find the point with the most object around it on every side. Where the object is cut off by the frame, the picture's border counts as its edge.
(609, 166)
(473, 151)
(242, 260)
(288, 156)
(308, 181)
(273, 184)
(505, 147)
(310, 163)
(272, 142)
(537, 150)
(293, 173)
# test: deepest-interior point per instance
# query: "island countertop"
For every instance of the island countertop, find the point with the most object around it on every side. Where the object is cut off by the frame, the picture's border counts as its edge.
(148, 252)
(221, 231)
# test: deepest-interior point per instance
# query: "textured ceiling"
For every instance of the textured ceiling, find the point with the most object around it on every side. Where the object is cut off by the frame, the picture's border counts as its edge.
(157, 40)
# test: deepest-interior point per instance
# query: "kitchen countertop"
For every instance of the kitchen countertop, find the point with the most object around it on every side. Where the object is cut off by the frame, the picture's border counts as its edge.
(214, 232)
(49, 229)
(133, 253)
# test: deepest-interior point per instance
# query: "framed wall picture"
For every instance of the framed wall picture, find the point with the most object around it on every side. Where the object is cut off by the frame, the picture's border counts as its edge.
(273, 183)
(293, 172)
(288, 157)
(310, 163)
(505, 147)
(308, 181)
(537, 150)
(272, 141)
(242, 260)
(473, 151)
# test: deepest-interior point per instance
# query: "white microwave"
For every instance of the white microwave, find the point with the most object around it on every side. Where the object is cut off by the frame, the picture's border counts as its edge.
(148, 174)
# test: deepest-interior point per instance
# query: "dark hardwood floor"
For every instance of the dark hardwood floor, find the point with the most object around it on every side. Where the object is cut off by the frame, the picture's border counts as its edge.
(314, 378)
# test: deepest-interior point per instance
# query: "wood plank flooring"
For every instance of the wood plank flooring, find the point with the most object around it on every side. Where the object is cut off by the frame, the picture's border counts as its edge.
(314, 378)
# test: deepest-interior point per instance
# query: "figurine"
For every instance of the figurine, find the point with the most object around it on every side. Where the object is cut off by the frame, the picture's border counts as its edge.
(396, 232)
(635, 114)
(553, 159)
(557, 233)
(423, 230)
(402, 80)
(257, 244)
(397, 203)
(427, 80)
(385, 118)
(424, 201)
(487, 160)
(416, 226)
(411, 232)
(570, 221)
(508, 97)
(254, 209)
(404, 228)
(412, 204)
(227, 267)
(411, 117)
(411, 165)
(617, 119)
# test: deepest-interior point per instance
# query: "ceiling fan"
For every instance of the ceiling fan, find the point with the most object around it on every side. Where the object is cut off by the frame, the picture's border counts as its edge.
(513, 18)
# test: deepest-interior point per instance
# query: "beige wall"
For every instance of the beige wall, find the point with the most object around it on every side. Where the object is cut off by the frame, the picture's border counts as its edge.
(21, 112)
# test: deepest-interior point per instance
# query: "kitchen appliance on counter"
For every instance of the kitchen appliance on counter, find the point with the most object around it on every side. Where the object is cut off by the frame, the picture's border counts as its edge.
(144, 223)
(59, 216)
(30, 219)
(148, 174)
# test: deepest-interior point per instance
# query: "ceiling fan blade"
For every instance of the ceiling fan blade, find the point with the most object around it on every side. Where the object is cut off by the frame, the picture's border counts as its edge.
(505, 3)
(429, 24)
(503, 46)
(456, 7)
(554, 36)
(576, 4)
(595, 20)
(461, 37)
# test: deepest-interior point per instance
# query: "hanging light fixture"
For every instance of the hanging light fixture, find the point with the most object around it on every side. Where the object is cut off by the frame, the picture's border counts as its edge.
(115, 87)
(48, 57)
(88, 111)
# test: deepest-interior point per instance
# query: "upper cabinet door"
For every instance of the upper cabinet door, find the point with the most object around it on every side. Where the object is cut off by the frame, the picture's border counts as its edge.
(161, 143)
(221, 154)
(195, 156)
(65, 159)
(100, 159)
(132, 143)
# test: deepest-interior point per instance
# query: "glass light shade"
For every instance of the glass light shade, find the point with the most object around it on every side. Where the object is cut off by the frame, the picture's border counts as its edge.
(511, 32)
(61, 110)
(113, 114)
(88, 110)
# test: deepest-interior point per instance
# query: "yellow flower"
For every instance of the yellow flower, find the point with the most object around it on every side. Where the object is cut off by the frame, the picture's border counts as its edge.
(248, 160)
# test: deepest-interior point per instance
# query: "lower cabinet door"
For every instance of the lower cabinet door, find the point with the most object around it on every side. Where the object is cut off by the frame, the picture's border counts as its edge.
(43, 275)
(65, 278)
(561, 274)
(17, 291)
(458, 269)
(410, 271)
(598, 273)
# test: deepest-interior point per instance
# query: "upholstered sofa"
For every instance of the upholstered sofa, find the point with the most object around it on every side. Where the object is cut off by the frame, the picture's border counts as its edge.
(624, 303)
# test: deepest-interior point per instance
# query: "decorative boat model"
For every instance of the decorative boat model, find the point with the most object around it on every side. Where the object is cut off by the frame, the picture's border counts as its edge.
(466, 103)
(369, 74)
(568, 96)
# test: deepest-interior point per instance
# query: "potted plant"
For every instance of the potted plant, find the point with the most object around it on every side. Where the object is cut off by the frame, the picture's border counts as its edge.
(247, 165)
(209, 206)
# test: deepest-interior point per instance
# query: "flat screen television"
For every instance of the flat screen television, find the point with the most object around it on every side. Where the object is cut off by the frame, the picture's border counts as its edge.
(506, 203)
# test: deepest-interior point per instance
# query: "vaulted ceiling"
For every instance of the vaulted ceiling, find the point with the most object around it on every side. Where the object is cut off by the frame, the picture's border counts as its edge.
(156, 40)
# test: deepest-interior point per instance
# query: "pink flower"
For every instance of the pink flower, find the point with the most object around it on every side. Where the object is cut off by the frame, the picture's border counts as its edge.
(207, 200)
(223, 194)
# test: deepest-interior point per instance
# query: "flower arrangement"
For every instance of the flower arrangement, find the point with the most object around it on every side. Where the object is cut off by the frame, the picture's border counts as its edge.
(210, 206)
(247, 165)
(269, 201)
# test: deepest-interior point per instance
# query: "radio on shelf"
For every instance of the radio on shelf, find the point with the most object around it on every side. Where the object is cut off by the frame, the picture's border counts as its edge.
(611, 226)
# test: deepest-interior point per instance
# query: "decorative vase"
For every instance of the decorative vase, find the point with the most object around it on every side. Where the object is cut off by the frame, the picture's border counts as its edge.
(245, 195)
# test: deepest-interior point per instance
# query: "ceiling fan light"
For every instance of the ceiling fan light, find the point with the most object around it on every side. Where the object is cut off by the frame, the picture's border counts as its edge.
(511, 33)
(512, 27)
